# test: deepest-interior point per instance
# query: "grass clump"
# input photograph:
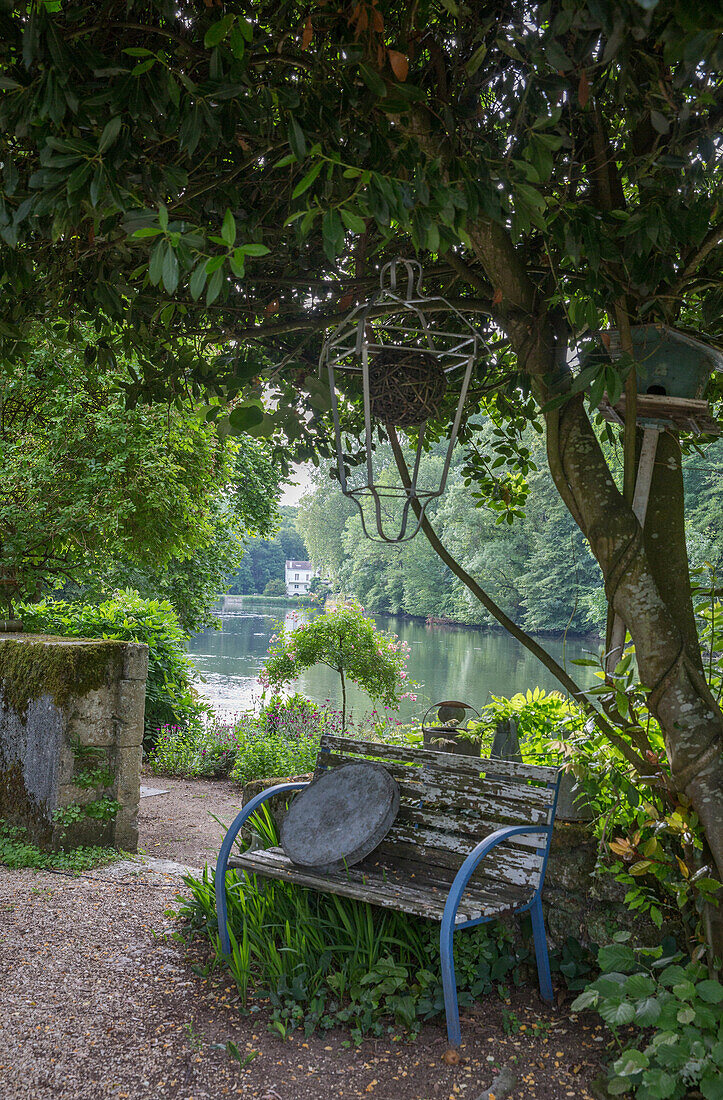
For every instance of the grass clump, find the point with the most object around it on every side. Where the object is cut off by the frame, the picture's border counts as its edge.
(324, 961)
(18, 851)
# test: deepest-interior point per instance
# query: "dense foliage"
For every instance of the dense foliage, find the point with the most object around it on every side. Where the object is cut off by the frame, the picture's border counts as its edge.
(215, 191)
(96, 496)
(282, 739)
(675, 1009)
(539, 569)
(170, 696)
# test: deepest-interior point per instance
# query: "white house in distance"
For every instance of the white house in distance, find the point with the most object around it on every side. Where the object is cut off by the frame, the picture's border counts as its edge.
(298, 576)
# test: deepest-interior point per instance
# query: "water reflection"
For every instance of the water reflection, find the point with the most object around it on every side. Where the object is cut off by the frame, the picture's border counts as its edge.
(449, 662)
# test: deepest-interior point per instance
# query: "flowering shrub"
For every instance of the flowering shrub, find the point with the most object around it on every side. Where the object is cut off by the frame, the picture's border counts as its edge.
(199, 749)
(347, 641)
(283, 739)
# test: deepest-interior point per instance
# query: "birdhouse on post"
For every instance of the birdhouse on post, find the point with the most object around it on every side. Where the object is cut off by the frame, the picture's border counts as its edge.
(672, 372)
(672, 375)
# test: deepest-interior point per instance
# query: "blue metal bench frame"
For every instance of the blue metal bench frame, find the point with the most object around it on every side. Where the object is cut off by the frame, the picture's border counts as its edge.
(448, 925)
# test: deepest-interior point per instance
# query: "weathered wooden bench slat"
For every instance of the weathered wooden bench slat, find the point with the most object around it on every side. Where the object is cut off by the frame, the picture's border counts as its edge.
(470, 842)
(445, 761)
(424, 900)
(432, 776)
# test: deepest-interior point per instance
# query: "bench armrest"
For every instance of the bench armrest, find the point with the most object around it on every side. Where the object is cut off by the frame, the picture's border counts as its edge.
(222, 861)
(476, 856)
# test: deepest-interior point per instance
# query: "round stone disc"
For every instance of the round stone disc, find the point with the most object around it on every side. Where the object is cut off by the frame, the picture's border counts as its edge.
(341, 817)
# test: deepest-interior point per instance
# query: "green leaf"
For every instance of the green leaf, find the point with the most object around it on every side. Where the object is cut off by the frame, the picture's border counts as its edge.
(237, 264)
(170, 271)
(630, 1062)
(373, 81)
(110, 133)
(306, 181)
(710, 991)
(244, 417)
(660, 122)
(332, 233)
(617, 957)
(214, 286)
(352, 221)
(163, 216)
(155, 267)
(659, 1085)
(617, 1015)
(686, 1015)
(254, 249)
(587, 999)
(198, 281)
(711, 1086)
(647, 1012)
(228, 229)
(147, 231)
(218, 31)
(297, 141)
(476, 60)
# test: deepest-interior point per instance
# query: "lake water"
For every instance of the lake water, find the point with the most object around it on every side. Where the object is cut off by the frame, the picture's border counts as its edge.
(449, 662)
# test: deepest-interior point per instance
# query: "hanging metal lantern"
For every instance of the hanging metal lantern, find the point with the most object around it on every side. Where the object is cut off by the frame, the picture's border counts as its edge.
(404, 361)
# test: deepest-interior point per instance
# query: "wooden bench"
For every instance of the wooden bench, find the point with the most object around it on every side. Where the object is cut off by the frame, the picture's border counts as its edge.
(469, 844)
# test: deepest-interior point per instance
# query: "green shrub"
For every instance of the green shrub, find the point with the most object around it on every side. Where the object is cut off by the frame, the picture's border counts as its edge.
(17, 851)
(170, 696)
(202, 748)
(283, 739)
(324, 960)
(675, 1009)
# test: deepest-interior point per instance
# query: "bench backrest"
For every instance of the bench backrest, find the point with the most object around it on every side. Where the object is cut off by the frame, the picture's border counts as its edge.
(449, 803)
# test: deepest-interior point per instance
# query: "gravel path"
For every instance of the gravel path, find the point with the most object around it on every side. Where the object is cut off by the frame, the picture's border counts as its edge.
(97, 1002)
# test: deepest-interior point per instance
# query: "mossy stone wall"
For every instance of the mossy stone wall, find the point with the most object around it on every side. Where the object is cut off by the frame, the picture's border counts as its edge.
(64, 701)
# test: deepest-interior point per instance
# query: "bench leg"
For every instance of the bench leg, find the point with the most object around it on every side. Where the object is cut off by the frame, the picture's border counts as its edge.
(543, 961)
(449, 981)
(221, 903)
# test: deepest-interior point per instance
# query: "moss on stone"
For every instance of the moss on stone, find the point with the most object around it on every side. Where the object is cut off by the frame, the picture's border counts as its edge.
(20, 808)
(33, 667)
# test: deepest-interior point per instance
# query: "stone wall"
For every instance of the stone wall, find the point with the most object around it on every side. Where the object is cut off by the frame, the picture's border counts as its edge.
(71, 710)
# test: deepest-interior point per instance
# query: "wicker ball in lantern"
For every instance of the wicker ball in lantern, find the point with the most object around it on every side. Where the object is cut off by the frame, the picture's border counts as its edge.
(406, 386)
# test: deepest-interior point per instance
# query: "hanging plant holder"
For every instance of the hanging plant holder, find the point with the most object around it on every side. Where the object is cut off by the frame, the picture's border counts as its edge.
(404, 347)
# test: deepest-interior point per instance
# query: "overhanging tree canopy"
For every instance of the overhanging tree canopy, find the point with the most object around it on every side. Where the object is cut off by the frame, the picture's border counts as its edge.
(216, 184)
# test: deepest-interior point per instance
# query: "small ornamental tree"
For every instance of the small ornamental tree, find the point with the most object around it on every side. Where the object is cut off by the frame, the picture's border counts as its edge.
(349, 642)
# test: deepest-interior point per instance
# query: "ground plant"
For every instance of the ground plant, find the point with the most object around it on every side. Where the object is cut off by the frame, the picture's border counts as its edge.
(283, 739)
(325, 961)
(204, 748)
(666, 1016)
(17, 851)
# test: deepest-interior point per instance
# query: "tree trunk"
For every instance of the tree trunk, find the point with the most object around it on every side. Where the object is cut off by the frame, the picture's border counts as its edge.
(667, 653)
(343, 702)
